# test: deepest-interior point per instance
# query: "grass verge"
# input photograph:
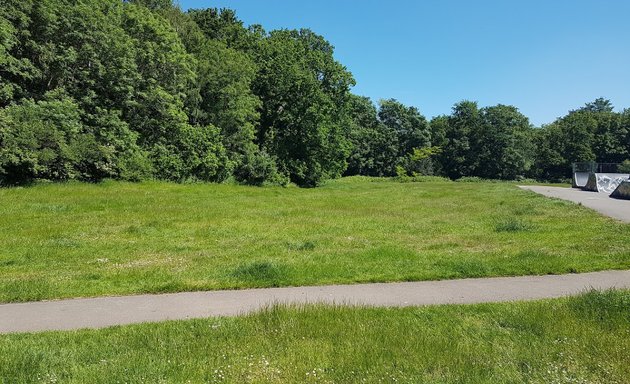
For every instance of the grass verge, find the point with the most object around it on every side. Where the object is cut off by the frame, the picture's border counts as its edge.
(584, 339)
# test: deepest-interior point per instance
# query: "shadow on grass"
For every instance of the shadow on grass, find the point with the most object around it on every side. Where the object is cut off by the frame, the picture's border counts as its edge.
(261, 272)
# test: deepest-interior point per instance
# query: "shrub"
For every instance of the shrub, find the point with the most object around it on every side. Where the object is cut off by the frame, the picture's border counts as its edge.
(124, 159)
(195, 153)
(258, 168)
(36, 141)
(54, 139)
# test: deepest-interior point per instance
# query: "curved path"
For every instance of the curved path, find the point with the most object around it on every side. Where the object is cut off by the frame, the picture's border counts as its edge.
(601, 202)
(109, 311)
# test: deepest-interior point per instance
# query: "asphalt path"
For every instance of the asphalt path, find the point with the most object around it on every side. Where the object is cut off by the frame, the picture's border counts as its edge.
(110, 311)
(600, 202)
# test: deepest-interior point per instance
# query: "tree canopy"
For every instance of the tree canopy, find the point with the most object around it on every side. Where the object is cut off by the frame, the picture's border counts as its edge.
(141, 89)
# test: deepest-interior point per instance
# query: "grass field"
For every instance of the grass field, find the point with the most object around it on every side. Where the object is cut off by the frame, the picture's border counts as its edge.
(584, 339)
(77, 240)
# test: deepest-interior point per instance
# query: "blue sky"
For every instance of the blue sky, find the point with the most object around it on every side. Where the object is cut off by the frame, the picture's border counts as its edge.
(544, 56)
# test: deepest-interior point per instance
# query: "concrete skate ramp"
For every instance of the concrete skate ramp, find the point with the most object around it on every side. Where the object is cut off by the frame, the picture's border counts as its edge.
(605, 182)
(580, 179)
(622, 191)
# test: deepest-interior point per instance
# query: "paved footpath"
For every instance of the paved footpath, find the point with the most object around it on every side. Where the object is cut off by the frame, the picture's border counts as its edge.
(109, 311)
(601, 202)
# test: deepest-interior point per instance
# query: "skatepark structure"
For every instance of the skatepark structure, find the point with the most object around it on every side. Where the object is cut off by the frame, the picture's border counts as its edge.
(622, 191)
(605, 182)
(602, 178)
(580, 179)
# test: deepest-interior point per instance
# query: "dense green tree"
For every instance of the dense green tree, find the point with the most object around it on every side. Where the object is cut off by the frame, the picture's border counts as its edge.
(549, 161)
(458, 158)
(599, 105)
(491, 142)
(609, 141)
(79, 47)
(439, 127)
(133, 89)
(179, 151)
(304, 91)
(410, 126)
(576, 137)
(46, 139)
(503, 148)
(223, 25)
(225, 78)
(223, 96)
(154, 5)
(412, 133)
(374, 144)
(609, 144)
(15, 70)
(578, 130)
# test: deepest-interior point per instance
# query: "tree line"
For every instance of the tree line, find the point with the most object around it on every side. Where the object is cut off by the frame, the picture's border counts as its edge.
(139, 89)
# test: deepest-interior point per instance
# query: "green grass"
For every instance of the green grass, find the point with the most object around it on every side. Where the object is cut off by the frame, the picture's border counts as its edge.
(77, 240)
(584, 339)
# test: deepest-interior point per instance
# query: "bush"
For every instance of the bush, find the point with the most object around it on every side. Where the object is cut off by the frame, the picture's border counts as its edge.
(258, 168)
(53, 139)
(124, 160)
(37, 140)
(136, 166)
(196, 153)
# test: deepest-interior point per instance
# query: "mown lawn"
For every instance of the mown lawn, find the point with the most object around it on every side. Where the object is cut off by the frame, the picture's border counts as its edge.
(583, 339)
(75, 240)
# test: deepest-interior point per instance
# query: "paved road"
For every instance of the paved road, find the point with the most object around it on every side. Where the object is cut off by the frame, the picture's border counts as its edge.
(601, 202)
(109, 311)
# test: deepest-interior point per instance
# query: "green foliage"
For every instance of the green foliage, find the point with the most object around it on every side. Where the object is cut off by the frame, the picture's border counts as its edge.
(503, 144)
(410, 126)
(384, 142)
(222, 25)
(259, 168)
(374, 144)
(592, 133)
(127, 160)
(15, 71)
(625, 166)
(147, 81)
(195, 153)
(492, 142)
(457, 159)
(304, 94)
(46, 140)
(227, 100)
(420, 161)
(412, 132)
